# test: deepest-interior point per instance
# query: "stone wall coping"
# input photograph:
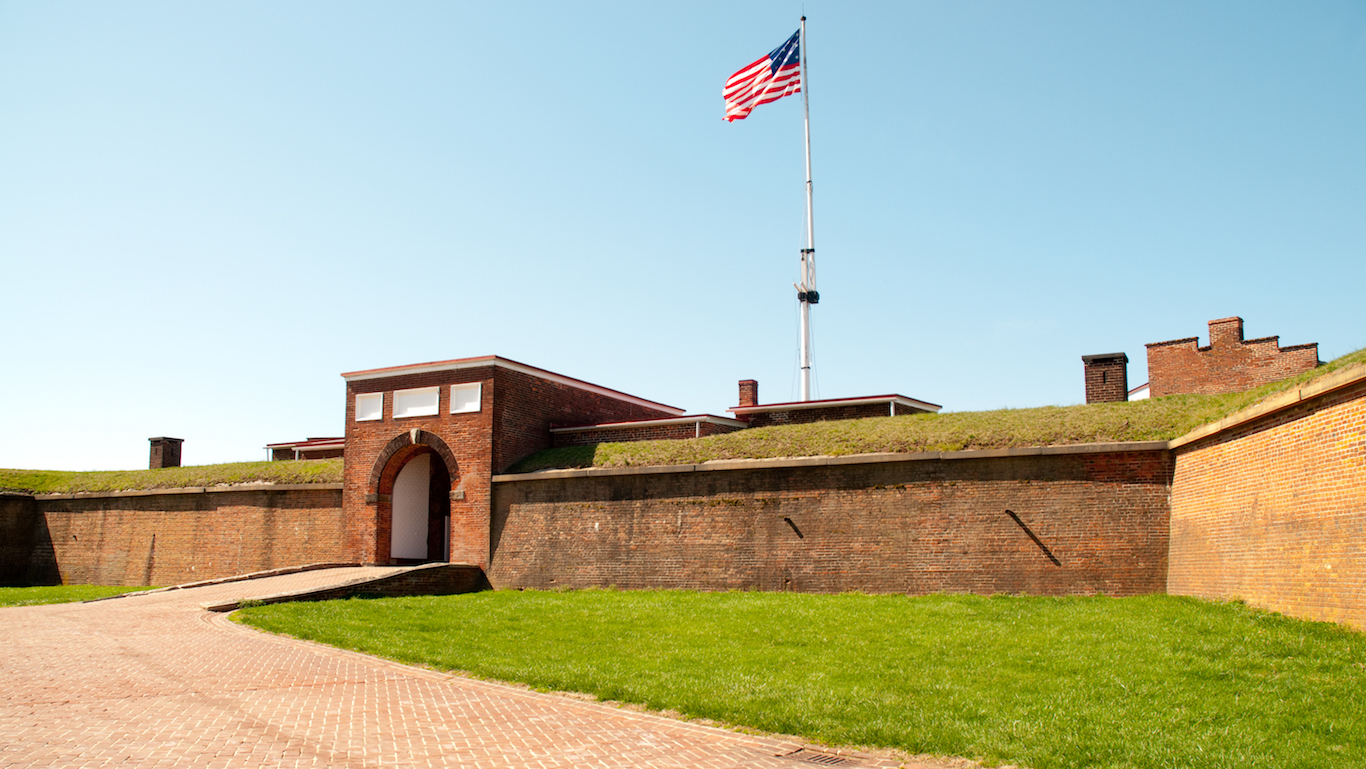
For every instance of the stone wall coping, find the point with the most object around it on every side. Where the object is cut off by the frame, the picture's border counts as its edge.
(1320, 386)
(195, 490)
(828, 461)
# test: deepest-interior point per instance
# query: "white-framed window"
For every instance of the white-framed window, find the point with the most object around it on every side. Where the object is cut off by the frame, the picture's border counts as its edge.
(369, 407)
(417, 402)
(465, 397)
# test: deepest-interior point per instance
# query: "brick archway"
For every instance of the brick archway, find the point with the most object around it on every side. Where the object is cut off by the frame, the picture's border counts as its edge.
(408, 444)
(445, 475)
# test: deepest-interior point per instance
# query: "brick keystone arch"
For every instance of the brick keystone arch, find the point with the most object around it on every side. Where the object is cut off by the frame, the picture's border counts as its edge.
(414, 437)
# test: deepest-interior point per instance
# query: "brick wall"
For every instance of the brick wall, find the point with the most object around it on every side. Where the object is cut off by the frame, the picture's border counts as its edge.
(463, 442)
(18, 519)
(641, 433)
(516, 413)
(287, 454)
(167, 538)
(1228, 364)
(799, 416)
(933, 524)
(1273, 510)
(527, 406)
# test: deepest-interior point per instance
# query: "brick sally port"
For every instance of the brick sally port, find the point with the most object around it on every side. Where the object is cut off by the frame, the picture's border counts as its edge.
(1268, 505)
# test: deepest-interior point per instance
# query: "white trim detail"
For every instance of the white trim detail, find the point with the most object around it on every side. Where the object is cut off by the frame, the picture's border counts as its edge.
(511, 365)
(894, 400)
(465, 398)
(417, 402)
(699, 420)
(369, 407)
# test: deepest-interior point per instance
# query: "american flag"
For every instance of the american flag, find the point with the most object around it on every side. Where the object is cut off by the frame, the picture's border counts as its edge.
(768, 79)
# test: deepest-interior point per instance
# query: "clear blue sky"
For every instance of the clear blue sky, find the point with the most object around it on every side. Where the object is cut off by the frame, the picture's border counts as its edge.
(210, 210)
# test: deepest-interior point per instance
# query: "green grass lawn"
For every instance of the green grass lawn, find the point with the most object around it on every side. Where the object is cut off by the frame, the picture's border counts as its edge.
(1146, 420)
(1155, 681)
(65, 482)
(33, 596)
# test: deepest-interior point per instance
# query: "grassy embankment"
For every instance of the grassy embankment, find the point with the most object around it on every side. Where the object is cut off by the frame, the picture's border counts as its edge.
(1153, 419)
(64, 482)
(1146, 420)
(1148, 682)
(34, 596)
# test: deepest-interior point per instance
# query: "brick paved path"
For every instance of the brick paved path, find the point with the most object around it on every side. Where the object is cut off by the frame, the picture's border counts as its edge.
(153, 680)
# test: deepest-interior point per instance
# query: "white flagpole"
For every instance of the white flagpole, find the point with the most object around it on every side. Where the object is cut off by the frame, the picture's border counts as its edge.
(806, 286)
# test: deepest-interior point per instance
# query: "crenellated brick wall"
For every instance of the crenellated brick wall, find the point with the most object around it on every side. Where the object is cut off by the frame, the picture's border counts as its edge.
(1229, 364)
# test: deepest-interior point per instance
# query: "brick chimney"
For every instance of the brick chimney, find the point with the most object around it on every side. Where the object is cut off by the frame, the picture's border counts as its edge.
(749, 392)
(165, 452)
(1107, 377)
(1225, 331)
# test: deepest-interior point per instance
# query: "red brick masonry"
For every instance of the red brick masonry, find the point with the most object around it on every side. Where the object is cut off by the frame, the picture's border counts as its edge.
(1273, 509)
(804, 412)
(518, 405)
(677, 428)
(1228, 364)
(1268, 505)
(183, 535)
(1107, 377)
(1050, 521)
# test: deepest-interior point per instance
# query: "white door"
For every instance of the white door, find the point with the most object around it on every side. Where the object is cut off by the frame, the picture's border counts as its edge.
(408, 538)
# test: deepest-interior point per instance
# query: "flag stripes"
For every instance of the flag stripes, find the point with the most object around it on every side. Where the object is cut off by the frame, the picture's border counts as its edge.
(767, 80)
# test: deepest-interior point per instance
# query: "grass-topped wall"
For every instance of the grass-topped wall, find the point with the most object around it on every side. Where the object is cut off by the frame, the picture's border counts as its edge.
(1146, 420)
(229, 474)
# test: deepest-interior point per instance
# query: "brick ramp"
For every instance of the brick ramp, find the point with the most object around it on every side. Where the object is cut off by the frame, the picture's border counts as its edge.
(153, 680)
(427, 579)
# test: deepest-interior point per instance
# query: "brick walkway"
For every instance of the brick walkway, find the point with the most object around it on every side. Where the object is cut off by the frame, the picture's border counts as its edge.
(153, 680)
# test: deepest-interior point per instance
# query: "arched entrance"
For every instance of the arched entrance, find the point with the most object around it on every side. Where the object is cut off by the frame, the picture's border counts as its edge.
(421, 511)
(411, 510)
(412, 480)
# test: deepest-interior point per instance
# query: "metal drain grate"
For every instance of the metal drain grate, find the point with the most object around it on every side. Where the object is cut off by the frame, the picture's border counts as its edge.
(821, 759)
